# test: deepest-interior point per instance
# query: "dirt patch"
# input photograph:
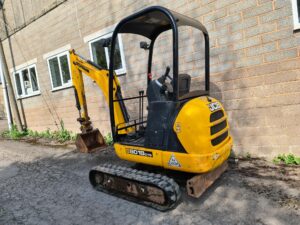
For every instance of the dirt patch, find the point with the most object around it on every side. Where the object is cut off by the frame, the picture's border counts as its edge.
(43, 142)
(280, 183)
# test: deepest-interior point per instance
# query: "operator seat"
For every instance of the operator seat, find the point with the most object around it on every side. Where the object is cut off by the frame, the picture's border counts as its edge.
(156, 92)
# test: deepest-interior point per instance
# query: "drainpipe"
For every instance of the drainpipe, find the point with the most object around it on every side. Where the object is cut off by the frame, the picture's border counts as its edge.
(6, 101)
(11, 94)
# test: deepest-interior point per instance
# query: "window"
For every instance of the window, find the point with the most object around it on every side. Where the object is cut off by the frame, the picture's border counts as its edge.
(26, 82)
(59, 70)
(100, 55)
(296, 13)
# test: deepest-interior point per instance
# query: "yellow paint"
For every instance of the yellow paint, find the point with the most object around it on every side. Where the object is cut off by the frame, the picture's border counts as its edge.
(194, 118)
(78, 67)
(193, 163)
(192, 127)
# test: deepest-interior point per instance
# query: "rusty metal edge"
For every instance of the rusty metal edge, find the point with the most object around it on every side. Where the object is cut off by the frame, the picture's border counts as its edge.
(198, 184)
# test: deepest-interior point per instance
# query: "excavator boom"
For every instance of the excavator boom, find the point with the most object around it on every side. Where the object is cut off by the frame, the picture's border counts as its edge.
(91, 138)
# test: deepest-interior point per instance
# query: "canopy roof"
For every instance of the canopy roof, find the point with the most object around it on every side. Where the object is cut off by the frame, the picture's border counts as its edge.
(154, 20)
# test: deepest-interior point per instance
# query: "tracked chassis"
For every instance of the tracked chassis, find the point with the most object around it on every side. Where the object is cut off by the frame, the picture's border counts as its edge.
(153, 190)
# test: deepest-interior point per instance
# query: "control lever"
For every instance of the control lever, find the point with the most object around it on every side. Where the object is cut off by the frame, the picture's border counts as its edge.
(167, 72)
(144, 45)
(163, 78)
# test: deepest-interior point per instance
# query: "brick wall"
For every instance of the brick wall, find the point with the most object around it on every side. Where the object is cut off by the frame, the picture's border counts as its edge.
(255, 69)
(22, 13)
(257, 76)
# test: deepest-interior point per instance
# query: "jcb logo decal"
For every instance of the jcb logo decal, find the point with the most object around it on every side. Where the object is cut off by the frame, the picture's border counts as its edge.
(214, 106)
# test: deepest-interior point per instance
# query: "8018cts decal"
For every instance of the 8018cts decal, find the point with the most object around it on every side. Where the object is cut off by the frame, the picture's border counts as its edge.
(139, 152)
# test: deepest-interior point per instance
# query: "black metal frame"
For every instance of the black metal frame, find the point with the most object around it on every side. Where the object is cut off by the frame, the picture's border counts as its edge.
(141, 115)
(174, 26)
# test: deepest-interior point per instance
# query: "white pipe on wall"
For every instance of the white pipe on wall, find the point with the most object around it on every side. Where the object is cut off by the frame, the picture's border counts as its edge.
(6, 102)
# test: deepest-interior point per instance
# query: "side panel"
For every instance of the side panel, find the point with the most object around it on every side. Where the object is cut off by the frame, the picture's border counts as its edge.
(139, 154)
(193, 163)
(197, 163)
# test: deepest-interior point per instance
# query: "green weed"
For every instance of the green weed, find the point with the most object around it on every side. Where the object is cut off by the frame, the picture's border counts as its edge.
(248, 155)
(108, 139)
(14, 133)
(289, 159)
(61, 135)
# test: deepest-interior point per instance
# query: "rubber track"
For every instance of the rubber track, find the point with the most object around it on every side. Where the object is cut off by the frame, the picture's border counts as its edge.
(168, 185)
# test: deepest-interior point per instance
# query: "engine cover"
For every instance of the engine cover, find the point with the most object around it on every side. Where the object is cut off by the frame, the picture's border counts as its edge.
(202, 127)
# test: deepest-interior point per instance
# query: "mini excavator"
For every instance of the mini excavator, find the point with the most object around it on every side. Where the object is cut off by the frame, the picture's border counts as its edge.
(185, 132)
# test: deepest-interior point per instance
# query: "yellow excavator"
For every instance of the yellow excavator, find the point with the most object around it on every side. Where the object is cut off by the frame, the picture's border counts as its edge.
(184, 134)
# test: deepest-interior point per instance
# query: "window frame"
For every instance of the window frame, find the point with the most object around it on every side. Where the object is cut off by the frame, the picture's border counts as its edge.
(19, 72)
(119, 72)
(296, 15)
(64, 85)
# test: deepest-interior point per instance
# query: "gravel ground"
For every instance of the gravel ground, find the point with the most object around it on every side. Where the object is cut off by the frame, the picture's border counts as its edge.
(49, 185)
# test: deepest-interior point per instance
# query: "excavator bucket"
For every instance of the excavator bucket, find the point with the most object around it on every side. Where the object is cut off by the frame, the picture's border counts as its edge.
(90, 141)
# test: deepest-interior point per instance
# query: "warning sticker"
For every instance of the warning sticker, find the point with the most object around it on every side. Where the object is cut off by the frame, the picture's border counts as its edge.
(173, 161)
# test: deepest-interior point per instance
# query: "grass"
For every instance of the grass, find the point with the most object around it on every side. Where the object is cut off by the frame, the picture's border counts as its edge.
(108, 139)
(61, 135)
(14, 133)
(289, 159)
(248, 155)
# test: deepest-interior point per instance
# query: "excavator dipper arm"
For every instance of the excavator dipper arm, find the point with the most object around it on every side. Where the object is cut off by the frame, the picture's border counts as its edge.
(80, 66)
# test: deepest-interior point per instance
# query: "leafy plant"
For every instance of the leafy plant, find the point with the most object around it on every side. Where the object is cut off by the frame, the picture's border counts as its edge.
(108, 139)
(14, 133)
(248, 155)
(61, 135)
(289, 159)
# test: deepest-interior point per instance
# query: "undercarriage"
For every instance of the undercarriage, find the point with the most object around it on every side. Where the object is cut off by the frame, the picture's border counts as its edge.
(156, 190)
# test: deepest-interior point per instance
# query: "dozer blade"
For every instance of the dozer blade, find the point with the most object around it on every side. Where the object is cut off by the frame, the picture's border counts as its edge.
(153, 190)
(90, 141)
(198, 184)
